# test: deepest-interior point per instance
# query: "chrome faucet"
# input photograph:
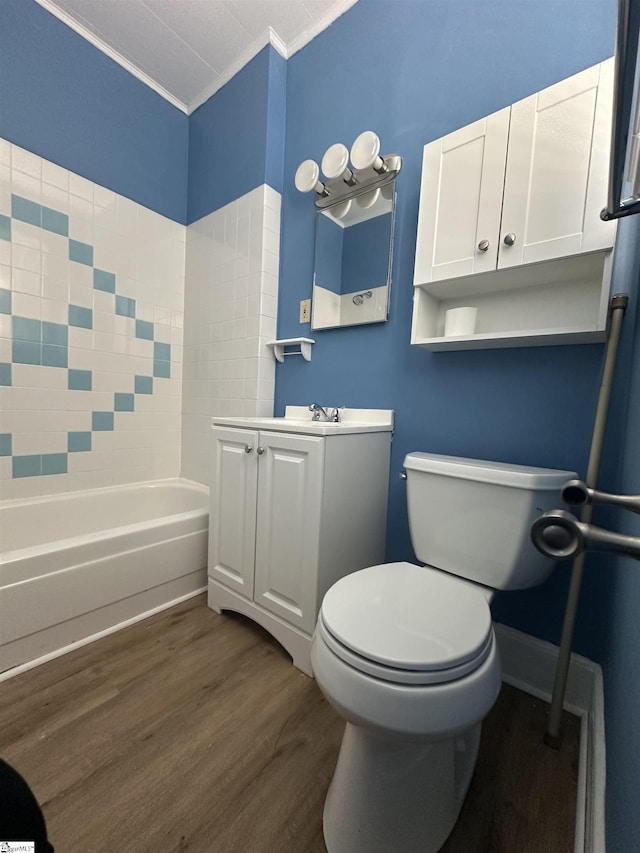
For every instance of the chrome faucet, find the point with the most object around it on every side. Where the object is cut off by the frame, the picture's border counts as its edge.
(332, 415)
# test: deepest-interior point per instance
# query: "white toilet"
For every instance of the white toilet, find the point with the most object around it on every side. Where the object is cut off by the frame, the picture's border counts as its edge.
(407, 654)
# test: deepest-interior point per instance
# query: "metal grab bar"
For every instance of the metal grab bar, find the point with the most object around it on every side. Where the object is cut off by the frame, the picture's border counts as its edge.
(577, 493)
(560, 535)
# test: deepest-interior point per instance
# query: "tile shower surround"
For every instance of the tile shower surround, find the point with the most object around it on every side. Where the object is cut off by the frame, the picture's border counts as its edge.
(92, 294)
(231, 304)
(91, 318)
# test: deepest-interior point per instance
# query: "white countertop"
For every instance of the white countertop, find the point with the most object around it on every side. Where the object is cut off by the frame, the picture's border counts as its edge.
(298, 419)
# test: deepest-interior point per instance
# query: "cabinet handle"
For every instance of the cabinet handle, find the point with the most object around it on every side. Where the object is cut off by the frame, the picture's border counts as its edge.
(260, 451)
(510, 239)
(483, 245)
(248, 448)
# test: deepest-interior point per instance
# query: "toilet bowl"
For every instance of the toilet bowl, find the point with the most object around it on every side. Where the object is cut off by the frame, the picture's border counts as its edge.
(407, 653)
(412, 702)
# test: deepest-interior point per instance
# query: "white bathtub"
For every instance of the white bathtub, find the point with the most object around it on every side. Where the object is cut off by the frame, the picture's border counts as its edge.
(80, 564)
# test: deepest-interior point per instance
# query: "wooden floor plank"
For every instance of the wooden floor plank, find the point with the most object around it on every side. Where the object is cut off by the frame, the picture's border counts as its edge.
(192, 731)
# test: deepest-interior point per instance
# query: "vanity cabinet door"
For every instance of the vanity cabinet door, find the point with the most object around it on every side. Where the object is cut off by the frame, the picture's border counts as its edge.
(288, 526)
(461, 200)
(232, 518)
(557, 171)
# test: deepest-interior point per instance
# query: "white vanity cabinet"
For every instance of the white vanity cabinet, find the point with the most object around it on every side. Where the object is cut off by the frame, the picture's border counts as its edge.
(292, 512)
(509, 221)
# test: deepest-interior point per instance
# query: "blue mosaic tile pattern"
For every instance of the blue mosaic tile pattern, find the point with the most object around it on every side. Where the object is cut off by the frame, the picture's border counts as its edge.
(54, 221)
(105, 281)
(144, 330)
(37, 464)
(81, 252)
(78, 441)
(27, 466)
(35, 342)
(5, 301)
(125, 306)
(25, 352)
(81, 317)
(25, 210)
(80, 380)
(47, 344)
(101, 421)
(5, 227)
(54, 463)
(144, 384)
(123, 402)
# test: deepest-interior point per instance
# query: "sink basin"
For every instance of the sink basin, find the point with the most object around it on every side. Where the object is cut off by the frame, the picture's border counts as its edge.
(298, 419)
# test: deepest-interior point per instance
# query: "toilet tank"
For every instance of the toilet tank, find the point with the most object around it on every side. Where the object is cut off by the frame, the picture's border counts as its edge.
(473, 518)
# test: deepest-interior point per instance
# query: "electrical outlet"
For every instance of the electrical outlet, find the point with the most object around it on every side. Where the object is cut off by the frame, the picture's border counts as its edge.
(305, 310)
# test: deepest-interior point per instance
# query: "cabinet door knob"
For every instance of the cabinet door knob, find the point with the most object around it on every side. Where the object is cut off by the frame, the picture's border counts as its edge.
(260, 451)
(510, 239)
(483, 245)
(248, 448)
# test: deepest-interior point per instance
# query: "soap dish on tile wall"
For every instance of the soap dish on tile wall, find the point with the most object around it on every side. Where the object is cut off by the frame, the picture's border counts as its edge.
(280, 348)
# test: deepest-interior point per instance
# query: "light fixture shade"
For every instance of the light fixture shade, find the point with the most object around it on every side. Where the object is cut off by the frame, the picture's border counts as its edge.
(335, 160)
(368, 199)
(339, 211)
(307, 175)
(365, 151)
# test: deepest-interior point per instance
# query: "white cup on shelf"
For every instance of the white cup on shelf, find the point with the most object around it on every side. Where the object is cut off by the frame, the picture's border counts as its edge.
(460, 322)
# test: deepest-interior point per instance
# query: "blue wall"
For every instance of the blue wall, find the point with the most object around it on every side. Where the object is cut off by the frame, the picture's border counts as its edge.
(447, 65)
(236, 138)
(68, 102)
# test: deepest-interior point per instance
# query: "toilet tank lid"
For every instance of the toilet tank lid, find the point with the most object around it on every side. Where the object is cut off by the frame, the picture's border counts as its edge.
(499, 473)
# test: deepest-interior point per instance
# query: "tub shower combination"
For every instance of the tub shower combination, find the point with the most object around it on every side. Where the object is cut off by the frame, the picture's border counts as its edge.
(80, 564)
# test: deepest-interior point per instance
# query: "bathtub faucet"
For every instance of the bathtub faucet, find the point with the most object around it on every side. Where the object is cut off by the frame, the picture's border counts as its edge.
(328, 414)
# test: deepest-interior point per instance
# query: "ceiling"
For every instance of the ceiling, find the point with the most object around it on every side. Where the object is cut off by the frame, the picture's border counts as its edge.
(188, 49)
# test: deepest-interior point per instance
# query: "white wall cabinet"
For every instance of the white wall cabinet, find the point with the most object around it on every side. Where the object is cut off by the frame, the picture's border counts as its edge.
(510, 221)
(291, 513)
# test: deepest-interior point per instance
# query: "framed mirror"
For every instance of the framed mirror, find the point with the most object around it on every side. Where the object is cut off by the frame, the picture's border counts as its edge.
(353, 259)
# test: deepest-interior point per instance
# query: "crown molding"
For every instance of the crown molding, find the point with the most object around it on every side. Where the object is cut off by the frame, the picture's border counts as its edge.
(102, 46)
(269, 36)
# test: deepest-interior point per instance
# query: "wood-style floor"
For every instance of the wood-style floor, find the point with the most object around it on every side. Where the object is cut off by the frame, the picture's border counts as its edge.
(193, 732)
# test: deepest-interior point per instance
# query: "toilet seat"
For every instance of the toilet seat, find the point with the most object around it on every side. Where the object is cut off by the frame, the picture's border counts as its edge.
(407, 624)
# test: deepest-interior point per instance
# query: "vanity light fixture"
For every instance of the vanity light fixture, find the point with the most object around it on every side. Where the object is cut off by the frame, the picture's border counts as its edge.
(308, 178)
(340, 209)
(369, 199)
(334, 163)
(365, 153)
(370, 176)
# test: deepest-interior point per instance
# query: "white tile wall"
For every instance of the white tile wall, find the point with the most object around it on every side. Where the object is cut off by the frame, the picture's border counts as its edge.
(146, 252)
(231, 304)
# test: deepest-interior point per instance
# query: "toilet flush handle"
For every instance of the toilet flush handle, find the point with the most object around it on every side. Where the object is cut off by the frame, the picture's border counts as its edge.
(403, 475)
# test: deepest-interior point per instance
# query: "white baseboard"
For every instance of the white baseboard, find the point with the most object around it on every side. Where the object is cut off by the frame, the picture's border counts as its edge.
(18, 670)
(530, 665)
